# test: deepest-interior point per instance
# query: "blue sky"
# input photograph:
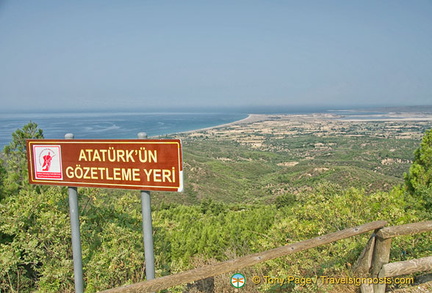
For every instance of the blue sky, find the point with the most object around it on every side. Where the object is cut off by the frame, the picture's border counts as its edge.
(71, 55)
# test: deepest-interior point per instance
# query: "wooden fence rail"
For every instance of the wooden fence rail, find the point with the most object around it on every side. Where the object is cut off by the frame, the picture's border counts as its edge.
(407, 229)
(406, 267)
(245, 261)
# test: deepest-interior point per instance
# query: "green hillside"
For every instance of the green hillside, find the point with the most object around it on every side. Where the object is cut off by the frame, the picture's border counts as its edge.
(234, 172)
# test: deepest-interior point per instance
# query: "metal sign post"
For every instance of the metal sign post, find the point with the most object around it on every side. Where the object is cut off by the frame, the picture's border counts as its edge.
(148, 234)
(147, 228)
(76, 238)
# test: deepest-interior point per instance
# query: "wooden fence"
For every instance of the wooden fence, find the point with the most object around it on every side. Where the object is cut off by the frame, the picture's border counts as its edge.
(374, 258)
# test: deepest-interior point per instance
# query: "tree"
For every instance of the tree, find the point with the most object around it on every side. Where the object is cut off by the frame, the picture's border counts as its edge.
(418, 181)
(287, 199)
(15, 157)
(3, 174)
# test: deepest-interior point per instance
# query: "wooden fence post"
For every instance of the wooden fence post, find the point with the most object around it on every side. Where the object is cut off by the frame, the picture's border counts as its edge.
(364, 262)
(381, 267)
(381, 257)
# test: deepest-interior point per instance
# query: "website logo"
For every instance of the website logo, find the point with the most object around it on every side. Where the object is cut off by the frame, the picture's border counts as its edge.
(238, 280)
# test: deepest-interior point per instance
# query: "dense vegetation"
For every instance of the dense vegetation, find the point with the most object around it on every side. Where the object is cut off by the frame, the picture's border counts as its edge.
(238, 200)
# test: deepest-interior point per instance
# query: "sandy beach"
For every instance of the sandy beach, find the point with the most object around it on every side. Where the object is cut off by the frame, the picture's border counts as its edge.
(253, 118)
(256, 128)
(250, 119)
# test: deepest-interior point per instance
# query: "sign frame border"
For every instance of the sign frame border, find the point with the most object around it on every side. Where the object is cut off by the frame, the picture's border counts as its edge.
(32, 177)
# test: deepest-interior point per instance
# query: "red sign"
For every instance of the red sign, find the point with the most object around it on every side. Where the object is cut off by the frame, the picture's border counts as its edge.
(126, 164)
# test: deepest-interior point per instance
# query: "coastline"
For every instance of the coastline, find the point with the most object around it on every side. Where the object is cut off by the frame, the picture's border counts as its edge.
(123, 125)
(251, 118)
(279, 119)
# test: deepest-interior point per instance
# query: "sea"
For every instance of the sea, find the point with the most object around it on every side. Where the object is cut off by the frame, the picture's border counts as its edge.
(111, 125)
